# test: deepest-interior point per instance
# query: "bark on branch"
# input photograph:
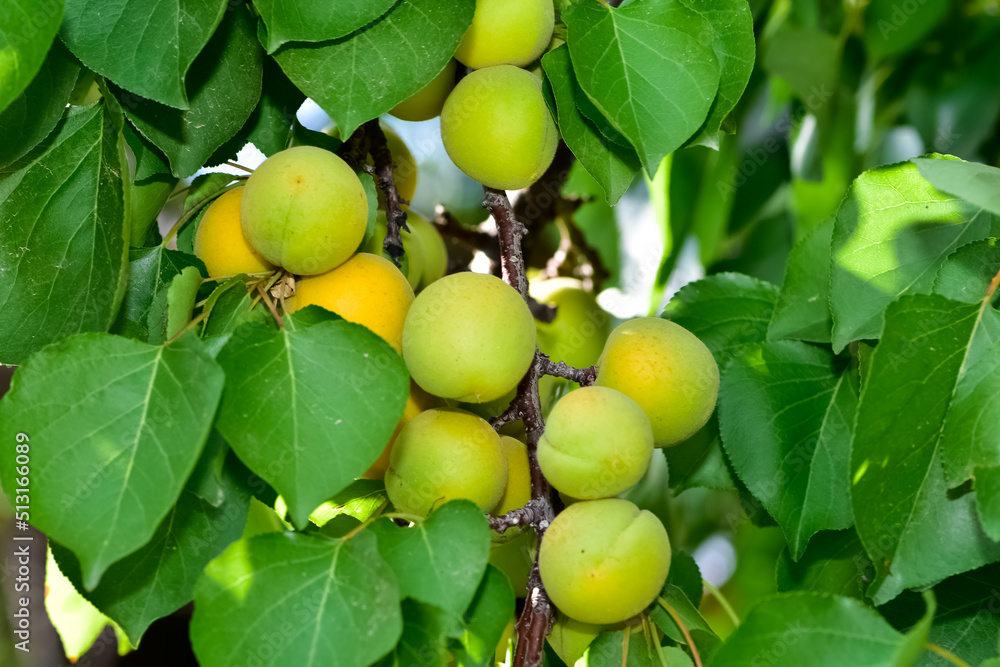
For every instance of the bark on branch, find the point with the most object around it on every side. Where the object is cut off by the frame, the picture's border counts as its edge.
(536, 618)
(395, 216)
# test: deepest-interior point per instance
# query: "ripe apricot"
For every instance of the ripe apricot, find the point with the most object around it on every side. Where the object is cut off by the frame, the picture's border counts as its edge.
(366, 289)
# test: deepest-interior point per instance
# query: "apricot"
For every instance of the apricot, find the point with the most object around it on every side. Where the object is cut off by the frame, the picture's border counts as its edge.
(507, 32)
(412, 261)
(470, 337)
(579, 330)
(666, 370)
(432, 247)
(443, 454)
(597, 443)
(517, 492)
(219, 241)
(497, 128)
(604, 561)
(570, 638)
(366, 289)
(427, 102)
(305, 210)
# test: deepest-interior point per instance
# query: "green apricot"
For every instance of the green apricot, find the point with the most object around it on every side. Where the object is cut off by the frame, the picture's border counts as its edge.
(597, 443)
(570, 638)
(435, 253)
(666, 370)
(305, 210)
(604, 561)
(468, 336)
(443, 454)
(412, 262)
(579, 330)
(507, 32)
(497, 128)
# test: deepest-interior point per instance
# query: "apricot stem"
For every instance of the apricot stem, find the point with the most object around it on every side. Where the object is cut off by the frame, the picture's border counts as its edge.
(946, 654)
(687, 635)
(723, 602)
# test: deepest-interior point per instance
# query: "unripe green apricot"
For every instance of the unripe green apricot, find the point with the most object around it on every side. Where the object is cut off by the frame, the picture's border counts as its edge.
(426, 103)
(468, 336)
(507, 32)
(497, 128)
(443, 454)
(666, 370)
(305, 210)
(435, 252)
(597, 443)
(604, 561)
(412, 261)
(571, 638)
(517, 491)
(579, 330)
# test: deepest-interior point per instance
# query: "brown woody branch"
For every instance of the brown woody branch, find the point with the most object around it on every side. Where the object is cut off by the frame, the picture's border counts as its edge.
(582, 376)
(534, 513)
(536, 618)
(395, 216)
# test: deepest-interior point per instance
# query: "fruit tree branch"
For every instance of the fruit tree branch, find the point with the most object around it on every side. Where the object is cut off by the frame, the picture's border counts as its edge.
(536, 618)
(582, 376)
(534, 513)
(395, 216)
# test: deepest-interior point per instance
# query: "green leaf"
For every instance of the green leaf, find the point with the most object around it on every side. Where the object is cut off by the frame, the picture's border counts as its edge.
(685, 575)
(359, 500)
(735, 48)
(699, 461)
(487, 617)
(270, 124)
(159, 578)
(150, 272)
(785, 411)
(119, 426)
(834, 563)
(807, 59)
(976, 183)
(726, 311)
(309, 409)
(311, 600)
(441, 560)
(966, 623)
(802, 311)
(418, 38)
(28, 28)
(891, 234)
(171, 309)
(596, 221)
(289, 21)
(811, 629)
(224, 87)
(966, 274)
(649, 67)
(151, 187)
(35, 112)
(893, 28)
(63, 250)
(229, 306)
(424, 641)
(131, 39)
(612, 165)
(912, 530)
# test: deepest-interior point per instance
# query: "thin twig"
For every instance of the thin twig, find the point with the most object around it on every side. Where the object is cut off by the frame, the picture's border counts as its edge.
(723, 602)
(535, 513)
(687, 635)
(582, 376)
(239, 166)
(395, 216)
